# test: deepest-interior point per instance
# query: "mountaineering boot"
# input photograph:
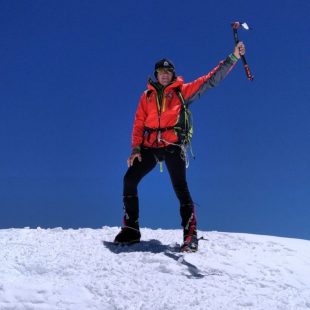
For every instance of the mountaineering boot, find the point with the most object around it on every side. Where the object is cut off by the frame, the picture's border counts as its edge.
(190, 244)
(190, 241)
(130, 232)
(128, 235)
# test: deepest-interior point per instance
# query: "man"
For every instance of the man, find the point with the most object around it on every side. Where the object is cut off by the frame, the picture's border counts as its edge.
(157, 137)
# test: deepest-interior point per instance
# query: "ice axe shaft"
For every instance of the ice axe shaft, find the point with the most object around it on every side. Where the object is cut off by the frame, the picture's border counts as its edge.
(235, 27)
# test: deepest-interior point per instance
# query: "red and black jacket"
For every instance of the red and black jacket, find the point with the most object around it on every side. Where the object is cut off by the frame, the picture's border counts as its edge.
(154, 116)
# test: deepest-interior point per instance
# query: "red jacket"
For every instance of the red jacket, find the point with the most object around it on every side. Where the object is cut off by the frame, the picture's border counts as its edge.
(153, 114)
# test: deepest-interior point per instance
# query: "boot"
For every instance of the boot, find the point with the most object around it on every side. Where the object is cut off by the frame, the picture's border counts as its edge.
(130, 232)
(128, 235)
(190, 244)
(190, 241)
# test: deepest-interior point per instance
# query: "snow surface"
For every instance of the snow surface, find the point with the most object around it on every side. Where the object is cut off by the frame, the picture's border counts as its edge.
(81, 269)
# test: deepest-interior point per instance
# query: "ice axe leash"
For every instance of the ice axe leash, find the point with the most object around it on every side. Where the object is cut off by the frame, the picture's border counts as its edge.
(235, 26)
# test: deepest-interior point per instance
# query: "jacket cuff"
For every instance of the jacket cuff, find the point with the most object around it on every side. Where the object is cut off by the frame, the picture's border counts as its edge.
(135, 150)
(233, 58)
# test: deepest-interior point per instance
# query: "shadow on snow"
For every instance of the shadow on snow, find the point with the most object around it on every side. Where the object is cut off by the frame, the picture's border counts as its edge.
(152, 246)
(156, 247)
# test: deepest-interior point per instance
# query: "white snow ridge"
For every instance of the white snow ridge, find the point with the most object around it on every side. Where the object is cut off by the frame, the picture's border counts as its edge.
(57, 269)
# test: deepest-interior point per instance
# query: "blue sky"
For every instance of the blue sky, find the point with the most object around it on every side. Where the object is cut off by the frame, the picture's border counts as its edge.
(72, 73)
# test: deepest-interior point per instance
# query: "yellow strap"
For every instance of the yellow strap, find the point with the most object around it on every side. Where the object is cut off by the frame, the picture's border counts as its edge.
(164, 103)
(157, 102)
(161, 166)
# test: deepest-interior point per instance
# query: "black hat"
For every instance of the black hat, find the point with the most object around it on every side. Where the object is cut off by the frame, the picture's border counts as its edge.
(164, 63)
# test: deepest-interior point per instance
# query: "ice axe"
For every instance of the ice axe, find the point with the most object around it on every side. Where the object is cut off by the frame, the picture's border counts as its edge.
(235, 26)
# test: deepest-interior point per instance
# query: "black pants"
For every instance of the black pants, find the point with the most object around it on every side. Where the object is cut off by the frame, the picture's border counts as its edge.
(174, 159)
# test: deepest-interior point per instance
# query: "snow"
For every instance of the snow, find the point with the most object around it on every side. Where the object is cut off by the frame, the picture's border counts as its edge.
(81, 269)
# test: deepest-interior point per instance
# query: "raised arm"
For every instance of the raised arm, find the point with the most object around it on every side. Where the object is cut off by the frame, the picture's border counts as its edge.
(192, 91)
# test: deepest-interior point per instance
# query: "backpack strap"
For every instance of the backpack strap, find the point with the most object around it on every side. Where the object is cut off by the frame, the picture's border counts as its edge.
(186, 121)
(148, 93)
(178, 92)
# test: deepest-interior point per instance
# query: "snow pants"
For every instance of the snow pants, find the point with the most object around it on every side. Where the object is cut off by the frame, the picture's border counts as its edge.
(174, 159)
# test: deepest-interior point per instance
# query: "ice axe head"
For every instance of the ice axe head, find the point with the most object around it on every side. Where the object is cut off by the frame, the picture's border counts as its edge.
(237, 25)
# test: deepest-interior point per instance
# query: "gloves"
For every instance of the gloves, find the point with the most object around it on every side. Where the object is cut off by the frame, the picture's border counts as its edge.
(135, 153)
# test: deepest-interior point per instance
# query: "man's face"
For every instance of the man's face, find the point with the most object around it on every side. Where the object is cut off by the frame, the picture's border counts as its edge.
(164, 76)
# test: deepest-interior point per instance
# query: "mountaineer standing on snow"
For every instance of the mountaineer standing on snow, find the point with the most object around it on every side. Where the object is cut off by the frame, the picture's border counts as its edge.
(161, 132)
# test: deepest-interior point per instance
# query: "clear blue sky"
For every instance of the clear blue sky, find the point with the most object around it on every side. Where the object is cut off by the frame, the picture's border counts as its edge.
(72, 73)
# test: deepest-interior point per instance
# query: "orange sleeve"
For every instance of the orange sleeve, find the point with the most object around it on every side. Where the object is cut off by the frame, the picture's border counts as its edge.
(138, 125)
